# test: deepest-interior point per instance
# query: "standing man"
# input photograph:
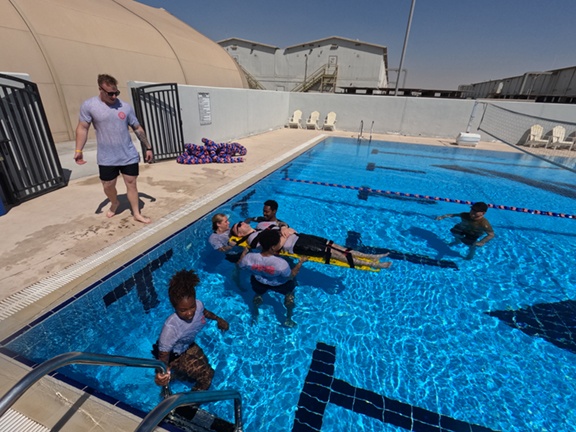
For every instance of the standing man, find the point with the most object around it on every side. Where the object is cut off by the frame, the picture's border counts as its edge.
(115, 151)
(473, 225)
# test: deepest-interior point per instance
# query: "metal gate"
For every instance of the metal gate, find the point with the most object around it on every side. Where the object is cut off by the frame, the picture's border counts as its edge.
(157, 107)
(29, 163)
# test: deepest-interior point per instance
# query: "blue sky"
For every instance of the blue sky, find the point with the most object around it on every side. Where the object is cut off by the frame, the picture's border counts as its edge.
(451, 42)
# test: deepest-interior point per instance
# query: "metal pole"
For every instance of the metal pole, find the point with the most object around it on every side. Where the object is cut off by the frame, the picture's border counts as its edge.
(404, 47)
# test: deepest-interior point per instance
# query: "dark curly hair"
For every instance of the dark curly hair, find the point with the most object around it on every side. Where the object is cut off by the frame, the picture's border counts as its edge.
(268, 239)
(182, 285)
(272, 204)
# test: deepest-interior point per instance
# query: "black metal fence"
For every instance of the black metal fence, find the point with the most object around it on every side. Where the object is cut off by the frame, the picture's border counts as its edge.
(29, 163)
(157, 107)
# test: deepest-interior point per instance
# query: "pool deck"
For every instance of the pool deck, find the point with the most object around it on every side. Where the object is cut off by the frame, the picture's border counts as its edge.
(58, 244)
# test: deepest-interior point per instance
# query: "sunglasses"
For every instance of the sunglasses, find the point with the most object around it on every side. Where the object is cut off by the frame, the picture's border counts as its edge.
(110, 94)
(236, 226)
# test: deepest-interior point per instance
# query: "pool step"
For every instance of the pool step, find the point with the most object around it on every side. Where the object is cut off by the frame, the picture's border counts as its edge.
(191, 419)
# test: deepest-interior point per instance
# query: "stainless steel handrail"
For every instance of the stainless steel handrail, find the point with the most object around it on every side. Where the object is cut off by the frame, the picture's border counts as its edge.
(161, 410)
(371, 128)
(70, 358)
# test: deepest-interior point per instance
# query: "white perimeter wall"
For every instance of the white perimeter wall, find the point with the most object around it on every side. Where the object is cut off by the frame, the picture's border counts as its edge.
(238, 113)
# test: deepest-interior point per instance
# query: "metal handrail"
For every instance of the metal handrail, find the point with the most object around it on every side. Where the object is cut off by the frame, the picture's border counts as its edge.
(70, 358)
(164, 408)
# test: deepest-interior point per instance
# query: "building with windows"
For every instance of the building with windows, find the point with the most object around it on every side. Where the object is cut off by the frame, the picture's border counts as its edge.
(555, 86)
(333, 64)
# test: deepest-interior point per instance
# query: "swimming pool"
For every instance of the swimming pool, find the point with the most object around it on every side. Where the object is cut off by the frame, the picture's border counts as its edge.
(487, 345)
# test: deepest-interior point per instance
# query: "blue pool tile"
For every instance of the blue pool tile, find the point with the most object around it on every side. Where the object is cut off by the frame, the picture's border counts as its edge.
(418, 426)
(319, 378)
(370, 397)
(312, 404)
(398, 407)
(306, 420)
(317, 391)
(425, 416)
(397, 419)
(342, 400)
(454, 425)
(322, 367)
(343, 387)
(364, 407)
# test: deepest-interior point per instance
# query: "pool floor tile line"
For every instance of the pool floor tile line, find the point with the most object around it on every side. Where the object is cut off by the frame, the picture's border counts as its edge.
(321, 388)
(28, 296)
(553, 322)
(142, 281)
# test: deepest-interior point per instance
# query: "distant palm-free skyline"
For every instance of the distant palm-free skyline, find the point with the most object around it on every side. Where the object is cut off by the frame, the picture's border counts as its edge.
(451, 42)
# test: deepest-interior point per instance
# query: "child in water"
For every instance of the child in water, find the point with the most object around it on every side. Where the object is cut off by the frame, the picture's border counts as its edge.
(176, 346)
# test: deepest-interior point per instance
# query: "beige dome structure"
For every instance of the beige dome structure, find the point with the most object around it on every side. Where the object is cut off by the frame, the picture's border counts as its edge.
(64, 44)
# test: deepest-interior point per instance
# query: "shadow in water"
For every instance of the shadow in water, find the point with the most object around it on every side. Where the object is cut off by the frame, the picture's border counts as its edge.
(354, 241)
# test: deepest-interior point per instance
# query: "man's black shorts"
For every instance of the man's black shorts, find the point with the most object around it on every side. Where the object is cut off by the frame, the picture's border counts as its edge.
(310, 245)
(108, 173)
(260, 288)
(465, 237)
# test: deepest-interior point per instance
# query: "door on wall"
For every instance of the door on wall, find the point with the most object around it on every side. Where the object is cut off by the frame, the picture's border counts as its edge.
(157, 107)
(29, 163)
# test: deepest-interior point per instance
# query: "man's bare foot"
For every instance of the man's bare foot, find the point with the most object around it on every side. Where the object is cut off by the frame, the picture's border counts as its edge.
(383, 265)
(112, 212)
(142, 219)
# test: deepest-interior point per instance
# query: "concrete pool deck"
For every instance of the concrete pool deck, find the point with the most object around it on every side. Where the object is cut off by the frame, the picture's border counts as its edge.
(57, 244)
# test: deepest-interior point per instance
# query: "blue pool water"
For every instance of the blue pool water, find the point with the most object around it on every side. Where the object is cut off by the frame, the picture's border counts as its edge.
(488, 345)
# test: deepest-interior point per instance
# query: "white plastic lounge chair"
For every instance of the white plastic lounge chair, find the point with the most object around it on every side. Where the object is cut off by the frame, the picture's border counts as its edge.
(535, 137)
(558, 141)
(312, 122)
(329, 121)
(558, 134)
(294, 121)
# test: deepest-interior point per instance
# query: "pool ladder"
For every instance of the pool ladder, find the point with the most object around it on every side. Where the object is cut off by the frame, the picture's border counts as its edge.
(154, 417)
(360, 132)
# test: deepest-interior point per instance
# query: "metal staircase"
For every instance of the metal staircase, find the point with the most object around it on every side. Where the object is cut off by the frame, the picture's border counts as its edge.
(322, 80)
(167, 409)
(253, 83)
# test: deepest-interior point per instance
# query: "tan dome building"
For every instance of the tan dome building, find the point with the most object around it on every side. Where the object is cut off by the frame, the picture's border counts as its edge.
(64, 44)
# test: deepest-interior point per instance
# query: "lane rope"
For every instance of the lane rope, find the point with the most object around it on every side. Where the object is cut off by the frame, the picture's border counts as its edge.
(433, 198)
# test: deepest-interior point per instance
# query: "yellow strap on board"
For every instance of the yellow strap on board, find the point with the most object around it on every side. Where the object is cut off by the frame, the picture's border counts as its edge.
(320, 260)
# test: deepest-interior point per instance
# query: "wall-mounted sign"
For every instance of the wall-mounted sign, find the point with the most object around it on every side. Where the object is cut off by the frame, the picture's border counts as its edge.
(204, 108)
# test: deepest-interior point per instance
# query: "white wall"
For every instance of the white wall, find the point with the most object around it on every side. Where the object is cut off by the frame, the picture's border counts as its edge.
(238, 113)
(427, 117)
(235, 113)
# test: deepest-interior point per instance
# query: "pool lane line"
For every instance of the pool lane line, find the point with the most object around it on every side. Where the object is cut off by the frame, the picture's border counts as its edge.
(433, 198)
